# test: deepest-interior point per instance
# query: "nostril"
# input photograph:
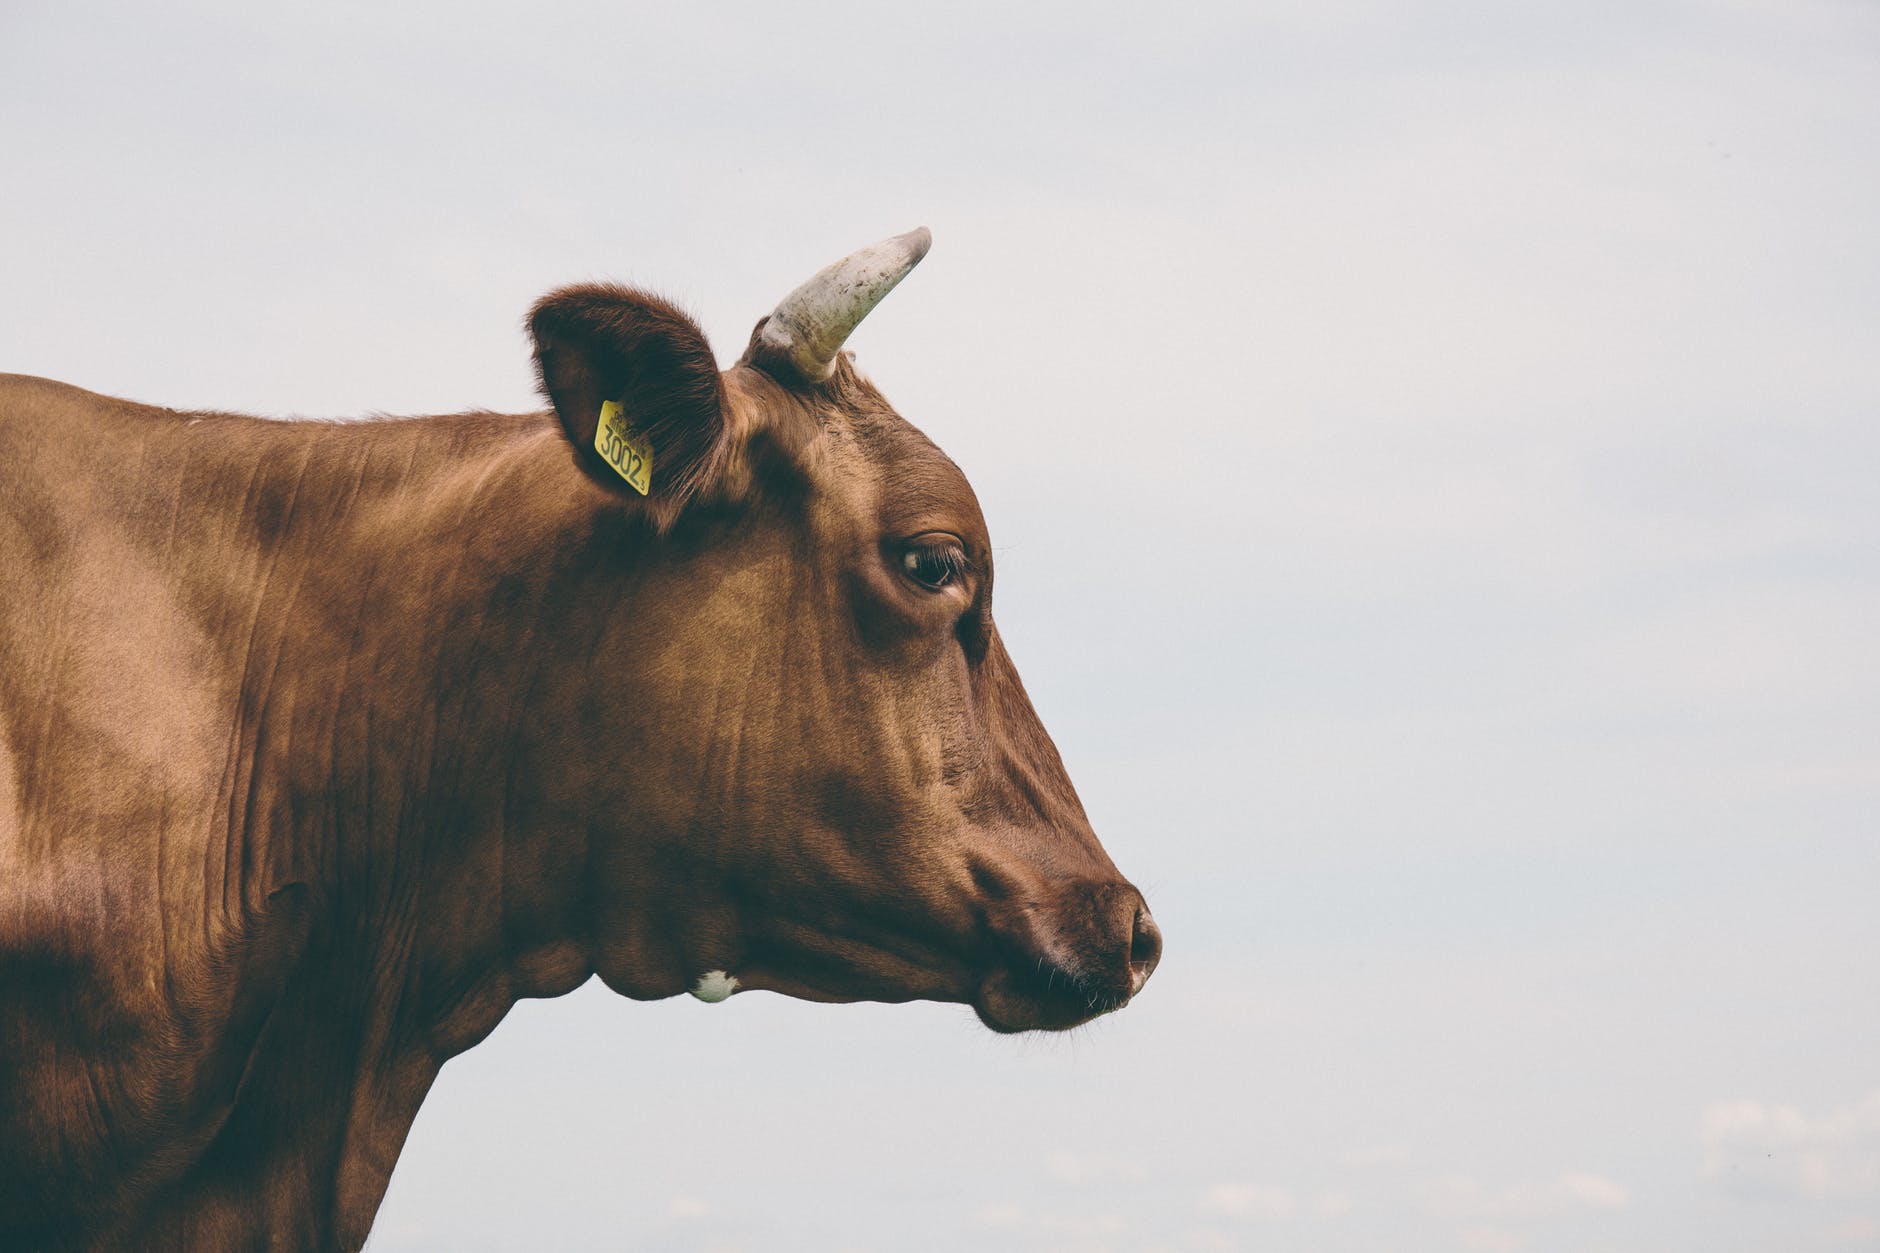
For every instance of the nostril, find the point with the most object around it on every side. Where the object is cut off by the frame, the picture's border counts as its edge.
(1147, 940)
(1145, 950)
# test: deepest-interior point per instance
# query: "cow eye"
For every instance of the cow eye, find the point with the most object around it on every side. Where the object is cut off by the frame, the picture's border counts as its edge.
(934, 561)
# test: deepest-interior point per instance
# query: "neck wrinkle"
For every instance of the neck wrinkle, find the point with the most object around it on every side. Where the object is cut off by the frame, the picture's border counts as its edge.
(387, 674)
(417, 676)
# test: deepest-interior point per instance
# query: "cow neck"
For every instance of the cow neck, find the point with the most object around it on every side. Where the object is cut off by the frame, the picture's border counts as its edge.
(419, 670)
(411, 768)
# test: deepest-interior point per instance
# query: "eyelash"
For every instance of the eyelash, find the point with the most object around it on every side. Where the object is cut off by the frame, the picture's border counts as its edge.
(948, 560)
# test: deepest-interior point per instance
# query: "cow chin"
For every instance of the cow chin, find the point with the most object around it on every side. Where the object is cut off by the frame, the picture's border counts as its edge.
(1009, 1001)
(868, 975)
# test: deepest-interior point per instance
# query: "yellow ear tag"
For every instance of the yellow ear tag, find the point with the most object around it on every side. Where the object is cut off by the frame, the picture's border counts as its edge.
(623, 448)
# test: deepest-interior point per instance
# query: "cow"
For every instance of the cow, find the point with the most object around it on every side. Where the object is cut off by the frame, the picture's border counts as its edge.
(323, 743)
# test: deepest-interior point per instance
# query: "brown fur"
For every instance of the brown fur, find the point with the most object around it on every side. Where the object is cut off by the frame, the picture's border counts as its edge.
(322, 744)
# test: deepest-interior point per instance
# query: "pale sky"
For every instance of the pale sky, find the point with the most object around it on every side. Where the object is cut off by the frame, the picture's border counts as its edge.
(1434, 459)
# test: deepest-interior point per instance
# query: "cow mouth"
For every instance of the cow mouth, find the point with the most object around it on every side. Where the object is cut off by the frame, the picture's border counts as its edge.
(1026, 973)
(1062, 973)
(1046, 998)
(1011, 1001)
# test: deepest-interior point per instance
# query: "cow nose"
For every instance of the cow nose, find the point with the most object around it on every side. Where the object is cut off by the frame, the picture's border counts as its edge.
(1145, 949)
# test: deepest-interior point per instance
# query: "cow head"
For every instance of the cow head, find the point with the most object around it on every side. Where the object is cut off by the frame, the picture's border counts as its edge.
(802, 759)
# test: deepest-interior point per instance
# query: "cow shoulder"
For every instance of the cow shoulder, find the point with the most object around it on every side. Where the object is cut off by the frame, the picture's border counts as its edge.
(130, 1003)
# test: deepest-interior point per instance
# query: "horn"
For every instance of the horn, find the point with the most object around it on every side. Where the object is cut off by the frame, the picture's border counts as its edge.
(809, 328)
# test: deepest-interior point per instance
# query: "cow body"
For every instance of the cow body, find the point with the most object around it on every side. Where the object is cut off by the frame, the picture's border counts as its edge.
(321, 744)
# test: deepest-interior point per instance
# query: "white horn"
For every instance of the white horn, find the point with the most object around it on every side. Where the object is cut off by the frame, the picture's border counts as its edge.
(810, 326)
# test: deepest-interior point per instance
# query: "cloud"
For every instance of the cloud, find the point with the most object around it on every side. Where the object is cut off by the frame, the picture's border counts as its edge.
(1591, 1191)
(1001, 1217)
(683, 1206)
(1084, 1170)
(1465, 1198)
(1777, 1148)
(1083, 1226)
(1267, 1204)
(1239, 1200)
(1008, 1216)
(1491, 1240)
(1864, 1232)
(1375, 1156)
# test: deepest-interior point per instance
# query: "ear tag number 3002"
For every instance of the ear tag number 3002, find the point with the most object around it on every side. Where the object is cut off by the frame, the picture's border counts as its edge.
(623, 448)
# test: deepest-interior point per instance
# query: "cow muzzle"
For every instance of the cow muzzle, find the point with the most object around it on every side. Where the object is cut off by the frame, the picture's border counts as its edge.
(1085, 953)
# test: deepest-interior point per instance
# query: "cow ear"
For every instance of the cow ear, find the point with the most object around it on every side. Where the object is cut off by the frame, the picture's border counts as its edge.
(600, 345)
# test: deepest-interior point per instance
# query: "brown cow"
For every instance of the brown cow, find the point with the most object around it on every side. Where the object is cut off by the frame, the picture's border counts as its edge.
(323, 743)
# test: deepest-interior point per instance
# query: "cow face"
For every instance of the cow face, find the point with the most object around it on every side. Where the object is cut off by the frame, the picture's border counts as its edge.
(831, 783)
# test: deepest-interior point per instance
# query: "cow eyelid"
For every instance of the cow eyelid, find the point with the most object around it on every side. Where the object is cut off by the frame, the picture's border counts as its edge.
(935, 562)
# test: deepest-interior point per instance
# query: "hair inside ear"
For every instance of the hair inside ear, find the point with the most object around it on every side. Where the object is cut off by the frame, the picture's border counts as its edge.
(601, 347)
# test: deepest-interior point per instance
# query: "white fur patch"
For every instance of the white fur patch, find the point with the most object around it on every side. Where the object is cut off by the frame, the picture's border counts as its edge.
(714, 986)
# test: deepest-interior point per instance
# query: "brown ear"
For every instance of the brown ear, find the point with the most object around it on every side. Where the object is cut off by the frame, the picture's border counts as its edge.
(600, 342)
